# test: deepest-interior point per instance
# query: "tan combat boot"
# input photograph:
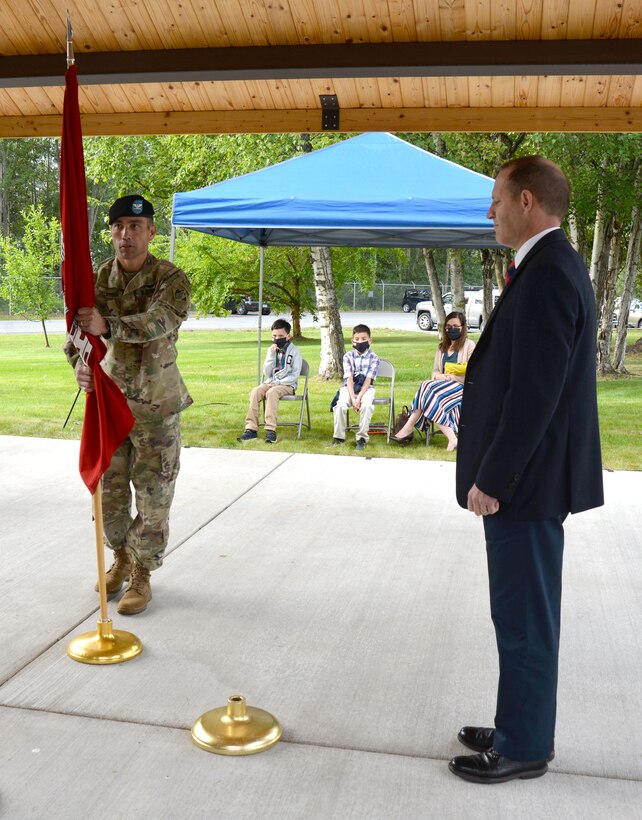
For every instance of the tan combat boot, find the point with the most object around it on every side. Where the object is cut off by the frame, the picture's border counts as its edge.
(138, 593)
(118, 572)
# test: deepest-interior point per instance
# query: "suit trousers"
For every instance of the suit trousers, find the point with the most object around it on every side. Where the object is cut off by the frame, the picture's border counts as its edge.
(525, 581)
(271, 394)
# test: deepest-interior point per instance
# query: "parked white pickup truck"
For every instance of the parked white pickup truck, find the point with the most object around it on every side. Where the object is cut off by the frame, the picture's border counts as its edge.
(427, 315)
(635, 313)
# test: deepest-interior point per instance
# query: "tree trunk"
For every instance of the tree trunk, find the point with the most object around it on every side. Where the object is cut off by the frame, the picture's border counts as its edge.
(605, 326)
(456, 264)
(599, 260)
(577, 236)
(630, 275)
(295, 309)
(435, 287)
(573, 233)
(295, 312)
(332, 346)
(598, 236)
(4, 210)
(440, 146)
(92, 209)
(488, 269)
(500, 264)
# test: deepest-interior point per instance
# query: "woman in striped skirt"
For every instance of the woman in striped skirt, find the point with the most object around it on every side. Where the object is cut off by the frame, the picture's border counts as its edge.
(438, 400)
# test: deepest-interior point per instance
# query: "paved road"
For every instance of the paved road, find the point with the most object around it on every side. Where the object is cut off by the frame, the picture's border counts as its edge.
(374, 319)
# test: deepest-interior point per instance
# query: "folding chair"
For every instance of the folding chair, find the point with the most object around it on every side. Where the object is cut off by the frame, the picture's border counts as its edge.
(386, 371)
(430, 431)
(301, 397)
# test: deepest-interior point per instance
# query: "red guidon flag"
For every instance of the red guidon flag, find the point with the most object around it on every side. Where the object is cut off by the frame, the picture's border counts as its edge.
(108, 419)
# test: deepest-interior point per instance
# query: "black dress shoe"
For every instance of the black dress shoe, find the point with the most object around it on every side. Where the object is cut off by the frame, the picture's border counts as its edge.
(491, 767)
(403, 439)
(481, 739)
(477, 738)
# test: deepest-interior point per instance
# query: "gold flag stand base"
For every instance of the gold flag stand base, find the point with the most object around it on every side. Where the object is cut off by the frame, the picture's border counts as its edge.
(236, 729)
(106, 645)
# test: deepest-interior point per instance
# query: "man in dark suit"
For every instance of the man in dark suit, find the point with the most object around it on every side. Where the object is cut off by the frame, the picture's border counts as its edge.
(529, 454)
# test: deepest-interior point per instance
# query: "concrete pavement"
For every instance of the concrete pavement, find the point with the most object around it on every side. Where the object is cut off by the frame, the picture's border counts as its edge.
(346, 596)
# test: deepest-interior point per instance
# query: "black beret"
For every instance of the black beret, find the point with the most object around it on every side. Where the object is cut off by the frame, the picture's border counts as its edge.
(133, 205)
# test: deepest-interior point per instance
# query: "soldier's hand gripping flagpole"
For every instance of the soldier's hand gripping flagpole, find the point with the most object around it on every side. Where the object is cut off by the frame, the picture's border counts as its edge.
(108, 419)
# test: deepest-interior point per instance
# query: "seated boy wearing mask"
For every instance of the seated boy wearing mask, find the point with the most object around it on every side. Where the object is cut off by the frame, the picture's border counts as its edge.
(281, 375)
(360, 368)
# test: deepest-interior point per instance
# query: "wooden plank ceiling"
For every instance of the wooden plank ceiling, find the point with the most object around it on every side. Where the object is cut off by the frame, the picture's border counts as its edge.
(235, 66)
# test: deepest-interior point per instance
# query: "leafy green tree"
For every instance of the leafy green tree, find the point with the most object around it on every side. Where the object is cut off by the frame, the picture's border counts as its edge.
(157, 167)
(28, 176)
(604, 170)
(31, 267)
(219, 269)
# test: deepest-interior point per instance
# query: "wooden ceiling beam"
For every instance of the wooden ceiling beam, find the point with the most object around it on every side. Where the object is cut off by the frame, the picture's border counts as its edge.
(442, 59)
(352, 120)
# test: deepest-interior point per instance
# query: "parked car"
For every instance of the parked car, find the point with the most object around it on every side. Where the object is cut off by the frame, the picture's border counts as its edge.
(243, 304)
(474, 301)
(635, 314)
(411, 297)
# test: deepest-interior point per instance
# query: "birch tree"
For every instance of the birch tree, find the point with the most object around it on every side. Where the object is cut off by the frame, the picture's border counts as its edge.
(631, 268)
(488, 272)
(606, 278)
(599, 231)
(604, 170)
(435, 287)
(332, 345)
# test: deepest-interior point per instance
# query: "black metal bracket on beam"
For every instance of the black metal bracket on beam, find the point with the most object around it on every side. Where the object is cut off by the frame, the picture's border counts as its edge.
(329, 112)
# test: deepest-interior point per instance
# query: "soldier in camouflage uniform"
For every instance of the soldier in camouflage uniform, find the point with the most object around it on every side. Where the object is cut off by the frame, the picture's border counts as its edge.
(141, 302)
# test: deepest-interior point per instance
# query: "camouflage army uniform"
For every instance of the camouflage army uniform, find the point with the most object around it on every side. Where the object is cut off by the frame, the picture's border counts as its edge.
(144, 311)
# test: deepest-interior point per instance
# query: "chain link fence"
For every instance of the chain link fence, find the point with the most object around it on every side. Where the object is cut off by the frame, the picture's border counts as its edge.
(383, 296)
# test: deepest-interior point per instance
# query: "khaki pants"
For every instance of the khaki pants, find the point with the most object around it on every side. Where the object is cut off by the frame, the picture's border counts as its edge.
(271, 393)
(148, 459)
(365, 415)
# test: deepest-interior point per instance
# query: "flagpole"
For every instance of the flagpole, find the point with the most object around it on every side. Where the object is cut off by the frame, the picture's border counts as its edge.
(71, 409)
(70, 43)
(100, 551)
(105, 645)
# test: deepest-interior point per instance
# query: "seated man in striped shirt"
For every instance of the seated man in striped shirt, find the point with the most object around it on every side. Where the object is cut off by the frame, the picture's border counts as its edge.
(360, 368)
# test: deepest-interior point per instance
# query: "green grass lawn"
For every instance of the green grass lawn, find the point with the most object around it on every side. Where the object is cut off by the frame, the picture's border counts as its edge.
(219, 367)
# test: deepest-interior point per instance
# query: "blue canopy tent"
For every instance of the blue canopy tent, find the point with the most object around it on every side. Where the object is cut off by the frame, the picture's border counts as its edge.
(373, 190)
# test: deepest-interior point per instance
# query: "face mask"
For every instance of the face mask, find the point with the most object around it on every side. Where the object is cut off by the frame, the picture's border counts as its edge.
(453, 333)
(281, 343)
(361, 347)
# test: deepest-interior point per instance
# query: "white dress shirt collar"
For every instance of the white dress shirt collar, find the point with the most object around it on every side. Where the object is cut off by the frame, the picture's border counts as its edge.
(530, 243)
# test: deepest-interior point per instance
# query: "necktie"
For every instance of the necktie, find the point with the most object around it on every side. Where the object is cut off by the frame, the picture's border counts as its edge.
(510, 272)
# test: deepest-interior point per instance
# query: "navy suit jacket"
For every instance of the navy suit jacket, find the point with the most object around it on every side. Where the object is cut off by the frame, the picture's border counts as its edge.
(528, 431)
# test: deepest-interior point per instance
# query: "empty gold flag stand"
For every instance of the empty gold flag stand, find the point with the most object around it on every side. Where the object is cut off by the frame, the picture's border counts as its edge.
(106, 645)
(236, 729)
